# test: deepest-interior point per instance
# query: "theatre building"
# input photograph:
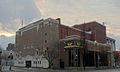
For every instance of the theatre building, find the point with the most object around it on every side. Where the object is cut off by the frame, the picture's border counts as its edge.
(79, 46)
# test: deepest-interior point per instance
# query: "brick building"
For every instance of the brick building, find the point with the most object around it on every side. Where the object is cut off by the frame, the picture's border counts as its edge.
(0, 56)
(10, 47)
(36, 40)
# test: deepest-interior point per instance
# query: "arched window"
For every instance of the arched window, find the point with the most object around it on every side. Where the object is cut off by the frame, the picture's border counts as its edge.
(37, 52)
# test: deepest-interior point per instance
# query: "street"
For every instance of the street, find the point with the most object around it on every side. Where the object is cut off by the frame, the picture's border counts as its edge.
(17, 69)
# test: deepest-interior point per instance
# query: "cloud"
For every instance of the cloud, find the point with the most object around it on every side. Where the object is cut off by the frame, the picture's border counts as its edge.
(43, 1)
(42, 11)
(12, 12)
(70, 11)
(77, 11)
(0, 25)
(5, 40)
(7, 34)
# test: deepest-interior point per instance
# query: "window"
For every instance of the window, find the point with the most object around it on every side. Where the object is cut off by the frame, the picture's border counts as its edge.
(40, 62)
(34, 62)
(69, 43)
(45, 52)
(27, 46)
(31, 45)
(45, 41)
(45, 34)
(78, 43)
(24, 46)
(18, 62)
(37, 52)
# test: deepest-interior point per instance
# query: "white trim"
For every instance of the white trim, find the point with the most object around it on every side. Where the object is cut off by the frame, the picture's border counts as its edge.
(42, 21)
(73, 37)
(39, 61)
(77, 29)
(71, 46)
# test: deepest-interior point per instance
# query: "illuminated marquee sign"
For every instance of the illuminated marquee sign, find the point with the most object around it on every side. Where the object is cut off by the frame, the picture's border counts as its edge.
(70, 43)
(78, 43)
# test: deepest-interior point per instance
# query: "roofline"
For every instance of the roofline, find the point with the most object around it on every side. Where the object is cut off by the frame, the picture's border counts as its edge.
(65, 39)
(75, 28)
(110, 38)
(88, 23)
(35, 23)
(31, 24)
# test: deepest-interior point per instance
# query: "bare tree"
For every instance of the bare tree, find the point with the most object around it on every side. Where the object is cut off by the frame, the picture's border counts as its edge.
(5, 57)
(50, 55)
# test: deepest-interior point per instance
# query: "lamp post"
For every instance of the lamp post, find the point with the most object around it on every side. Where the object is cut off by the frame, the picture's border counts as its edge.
(83, 40)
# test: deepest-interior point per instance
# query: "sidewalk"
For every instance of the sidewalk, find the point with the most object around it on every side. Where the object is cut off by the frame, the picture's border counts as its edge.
(24, 69)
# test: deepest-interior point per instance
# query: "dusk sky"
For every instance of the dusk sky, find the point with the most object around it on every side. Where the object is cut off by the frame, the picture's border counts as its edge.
(71, 12)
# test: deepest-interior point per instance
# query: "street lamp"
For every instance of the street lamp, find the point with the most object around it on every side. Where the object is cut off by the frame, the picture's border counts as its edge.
(37, 54)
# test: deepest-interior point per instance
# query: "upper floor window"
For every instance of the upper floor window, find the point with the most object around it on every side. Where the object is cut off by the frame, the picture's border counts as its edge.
(45, 34)
(69, 43)
(31, 45)
(24, 46)
(37, 52)
(27, 46)
(45, 41)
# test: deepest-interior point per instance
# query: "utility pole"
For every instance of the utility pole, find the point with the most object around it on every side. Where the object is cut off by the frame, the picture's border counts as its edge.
(83, 40)
(22, 23)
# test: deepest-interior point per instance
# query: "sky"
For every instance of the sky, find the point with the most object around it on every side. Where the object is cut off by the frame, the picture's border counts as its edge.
(71, 12)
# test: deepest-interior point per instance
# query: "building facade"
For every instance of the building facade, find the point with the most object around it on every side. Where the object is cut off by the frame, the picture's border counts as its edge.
(48, 43)
(111, 43)
(32, 40)
(116, 55)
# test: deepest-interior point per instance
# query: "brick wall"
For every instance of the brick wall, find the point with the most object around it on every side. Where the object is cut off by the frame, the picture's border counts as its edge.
(98, 31)
(67, 31)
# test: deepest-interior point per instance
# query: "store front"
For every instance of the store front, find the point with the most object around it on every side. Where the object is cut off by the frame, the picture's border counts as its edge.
(74, 55)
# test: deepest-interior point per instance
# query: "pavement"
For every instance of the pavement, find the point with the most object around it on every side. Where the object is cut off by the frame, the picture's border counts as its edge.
(21, 69)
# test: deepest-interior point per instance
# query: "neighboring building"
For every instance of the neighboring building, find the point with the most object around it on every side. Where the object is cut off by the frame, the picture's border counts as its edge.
(36, 40)
(111, 42)
(0, 55)
(5, 60)
(116, 55)
(10, 47)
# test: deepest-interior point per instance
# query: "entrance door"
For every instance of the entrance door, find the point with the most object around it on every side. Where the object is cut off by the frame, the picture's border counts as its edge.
(61, 64)
(74, 58)
(28, 64)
